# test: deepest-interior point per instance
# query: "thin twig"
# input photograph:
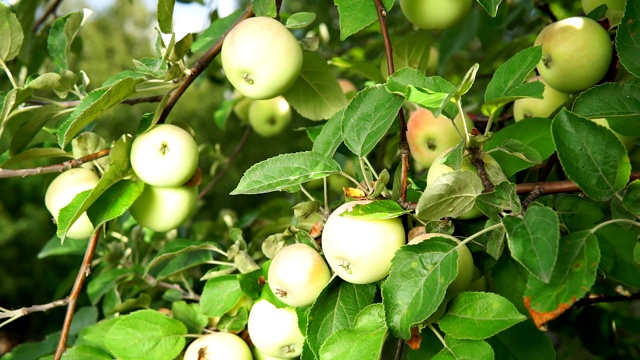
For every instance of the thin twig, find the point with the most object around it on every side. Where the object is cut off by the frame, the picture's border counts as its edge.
(32, 309)
(606, 299)
(556, 187)
(476, 160)
(85, 270)
(532, 197)
(50, 10)
(399, 348)
(74, 163)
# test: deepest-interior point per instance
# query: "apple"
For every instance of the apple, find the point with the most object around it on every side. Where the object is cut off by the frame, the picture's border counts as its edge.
(166, 156)
(269, 117)
(532, 107)
(465, 264)
(162, 209)
(218, 345)
(627, 141)
(494, 172)
(435, 14)
(360, 250)
(432, 64)
(615, 8)
(298, 274)
(576, 53)
(428, 136)
(259, 355)
(241, 108)
(261, 58)
(275, 331)
(61, 192)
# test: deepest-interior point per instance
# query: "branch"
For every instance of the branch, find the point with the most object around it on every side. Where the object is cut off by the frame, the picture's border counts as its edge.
(200, 65)
(606, 299)
(85, 270)
(555, 187)
(476, 160)
(15, 314)
(50, 10)
(74, 163)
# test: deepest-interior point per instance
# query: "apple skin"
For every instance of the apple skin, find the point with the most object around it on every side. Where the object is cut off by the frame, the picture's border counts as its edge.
(61, 192)
(435, 14)
(259, 355)
(429, 136)
(166, 156)
(532, 107)
(627, 141)
(162, 209)
(261, 58)
(465, 264)
(218, 345)
(298, 274)
(275, 331)
(360, 250)
(576, 53)
(269, 117)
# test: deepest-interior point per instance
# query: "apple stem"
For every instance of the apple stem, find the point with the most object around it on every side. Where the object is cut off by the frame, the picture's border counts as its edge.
(439, 336)
(365, 176)
(464, 122)
(304, 191)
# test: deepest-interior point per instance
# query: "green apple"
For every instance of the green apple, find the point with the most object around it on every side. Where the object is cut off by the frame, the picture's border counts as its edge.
(166, 156)
(269, 117)
(429, 136)
(627, 141)
(261, 58)
(298, 274)
(61, 192)
(465, 264)
(432, 64)
(492, 168)
(479, 281)
(241, 108)
(218, 345)
(435, 14)
(360, 250)
(576, 53)
(162, 209)
(532, 107)
(259, 355)
(275, 331)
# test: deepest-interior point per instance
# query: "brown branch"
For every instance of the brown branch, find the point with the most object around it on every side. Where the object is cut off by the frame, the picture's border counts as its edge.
(227, 165)
(74, 103)
(74, 163)
(532, 197)
(32, 309)
(606, 299)
(85, 270)
(50, 10)
(476, 160)
(200, 65)
(555, 187)
(544, 7)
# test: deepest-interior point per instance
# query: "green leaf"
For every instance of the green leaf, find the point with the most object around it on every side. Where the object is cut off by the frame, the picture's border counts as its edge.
(143, 301)
(36, 153)
(316, 94)
(61, 83)
(265, 8)
(284, 171)
(466, 83)
(165, 15)
(503, 197)
(217, 28)
(93, 106)
(573, 275)
(510, 281)
(382, 209)
(356, 15)
(190, 315)
(457, 349)
(506, 85)
(591, 155)
(61, 35)
(177, 247)
(417, 282)
(300, 20)
(360, 67)
(220, 295)
(411, 51)
(578, 213)
(115, 201)
(618, 103)
(368, 117)
(509, 343)
(520, 150)
(362, 341)
(31, 122)
(95, 334)
(478, 315)
(626, 38)
(336, 308)
(105, 281)
(183, 262)
(617, 246)
(55, 247)
(11, 35)
(330, 137)
(85, 352)
(9, 101)
(491, 6)
(631, 198)
(450, 195)
(492, 241)
(146, 334)
(426, 91)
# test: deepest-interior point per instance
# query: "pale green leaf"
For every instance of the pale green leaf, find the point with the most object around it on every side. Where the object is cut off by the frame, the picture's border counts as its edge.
(61, 35)
(450, 195)
(165, 15)
(11, 35)
(300, 20)
(356, 15)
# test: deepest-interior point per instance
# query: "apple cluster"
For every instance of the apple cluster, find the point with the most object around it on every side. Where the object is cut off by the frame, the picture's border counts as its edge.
(165, 158)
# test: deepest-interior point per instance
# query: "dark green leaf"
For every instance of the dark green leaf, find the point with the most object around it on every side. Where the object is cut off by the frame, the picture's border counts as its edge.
(510, 281)
(115, 201)
(55, 247)
(183, 262)
(578, 213)
(626, 38)
(631, 198)
(457, 349)
(509, 343)
(85, 352)
(618, 103)
(356, 15)
(617, 246)
(520, 150)
(382, 209)
(105, 281)
(330, 137)
(503, 197)
(411, 51)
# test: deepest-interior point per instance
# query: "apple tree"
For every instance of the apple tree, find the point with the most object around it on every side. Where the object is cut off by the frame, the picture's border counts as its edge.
(467, 184)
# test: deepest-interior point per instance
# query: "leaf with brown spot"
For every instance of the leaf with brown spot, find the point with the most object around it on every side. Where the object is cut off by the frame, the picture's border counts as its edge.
(540, 318)
(416, 339)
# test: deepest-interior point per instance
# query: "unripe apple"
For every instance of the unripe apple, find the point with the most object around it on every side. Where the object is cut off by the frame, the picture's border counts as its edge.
(435, 14)
(576, 53)
(63, 189)
(465, 264)
(428, 136)
(259, 355)
(434, 58)
(162, 209)
(532, 107)
(275, 331)
(269, 117)
(166, 156)
(218, 345)
(360, 250)
(627, 141)
(298, 274)
(261, 58)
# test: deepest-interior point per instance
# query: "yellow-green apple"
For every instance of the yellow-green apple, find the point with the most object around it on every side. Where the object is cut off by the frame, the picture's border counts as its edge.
(429, 136)
(435, 14)
(298, 274)
(218, 345)
(360, 250)
(576, 53)
(166, 156)
(627, 141)
(259, 355)
(164, 208)
(63, 189)
(261, 58)
(269, 117)
(465, 263)
(275, 331)
(241, 108)
(532, 107)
